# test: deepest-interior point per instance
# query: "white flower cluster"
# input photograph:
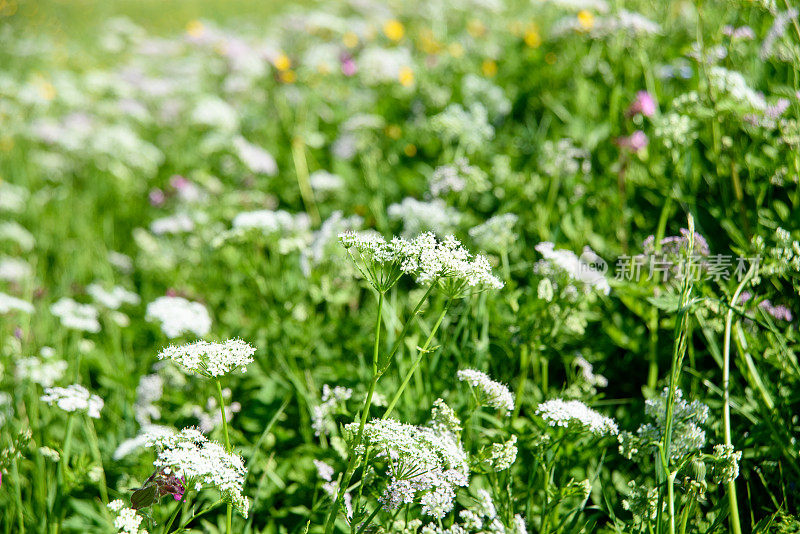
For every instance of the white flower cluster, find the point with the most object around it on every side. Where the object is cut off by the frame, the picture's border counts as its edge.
(44, 371)
(494, 393)
(496, 234)
(503, 455)
(588, 374)
(456, 177)
(558, 412)
(178, 223)
(476, 89)
(254, 157)
(324, 470)
(332, 400)
(131, 445)
(211, 360)
(179, 316)
(563, 158)
(76, 316)
(469, 128)
(426, 259)
(74, 398)
(203, 463)
(574, 267)
(271, 222)
(419, 216)
(687, 435)
(149, 391)
(324, 182)
(9, 304)
(14, 269)
(675, 130)
(480, 518)
(114, 298)
(324, 242)
(725, 465)
(422, 460)
(623, 20)
(735, 86)
(16, 233)
(127, 521)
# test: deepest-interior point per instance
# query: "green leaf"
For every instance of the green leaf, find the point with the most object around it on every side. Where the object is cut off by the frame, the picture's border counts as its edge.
(668, 302)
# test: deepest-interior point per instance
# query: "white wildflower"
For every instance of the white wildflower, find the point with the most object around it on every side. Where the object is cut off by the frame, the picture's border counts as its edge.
(74, 398)
(254, 157)
(496, 234)
(15, 232)
(468, 128)
(44, 371)
(575, 267)
(324, 182)
(734, 85)
(179, 316)
(423, 461)
(214, 112)
(324, 470)
(9, 304)
(503, 455)
(76, 316)
(211, 360)
(202, 462)
(419, 216)
(270, 222)
(494, 393)
(13, 198)
(333, 399)
(51, 454)
(587, 373)
(114, 298)
(173, 224)
(558, 412)
(127, 521)
(14, 269)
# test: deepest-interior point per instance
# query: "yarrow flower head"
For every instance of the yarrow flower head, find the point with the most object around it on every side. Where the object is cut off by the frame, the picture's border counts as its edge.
(558, 412)
(74, 398)
(493, 393)
(201, 462)
(211, 360)
(179, 316)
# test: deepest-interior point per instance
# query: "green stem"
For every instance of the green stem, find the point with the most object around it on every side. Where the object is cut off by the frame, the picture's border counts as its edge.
(733, 503)
(93, 443)
(366, 523)
(671, 500)
(355, 460)
(229, 514)
(18, 497)
(679, 350)
(414, 366)
(301, 169)
(406, 326)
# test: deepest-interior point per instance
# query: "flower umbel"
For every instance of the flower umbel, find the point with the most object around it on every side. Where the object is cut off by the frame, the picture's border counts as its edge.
(211, 360)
